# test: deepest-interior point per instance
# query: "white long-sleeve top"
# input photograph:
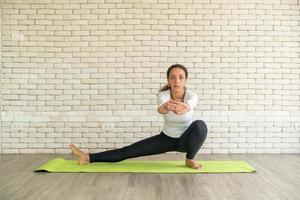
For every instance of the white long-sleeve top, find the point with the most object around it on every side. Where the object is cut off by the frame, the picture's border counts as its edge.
(175, 124)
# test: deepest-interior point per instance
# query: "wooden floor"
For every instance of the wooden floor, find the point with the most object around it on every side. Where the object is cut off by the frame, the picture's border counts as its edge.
(277, 177)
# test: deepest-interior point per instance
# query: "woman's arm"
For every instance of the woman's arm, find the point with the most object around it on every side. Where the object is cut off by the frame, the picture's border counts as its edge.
(175, 106)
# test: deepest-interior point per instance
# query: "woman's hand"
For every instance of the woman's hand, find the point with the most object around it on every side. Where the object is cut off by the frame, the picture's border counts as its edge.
(176, 106)
(165, 108)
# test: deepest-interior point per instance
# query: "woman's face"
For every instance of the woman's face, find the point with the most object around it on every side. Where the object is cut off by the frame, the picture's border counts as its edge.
(177, 79)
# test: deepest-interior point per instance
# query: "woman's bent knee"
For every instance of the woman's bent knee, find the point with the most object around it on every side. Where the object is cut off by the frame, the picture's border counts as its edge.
(200, 124)
(200, 128)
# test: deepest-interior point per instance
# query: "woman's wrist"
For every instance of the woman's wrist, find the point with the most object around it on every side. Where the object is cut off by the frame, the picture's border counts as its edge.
(163, 109)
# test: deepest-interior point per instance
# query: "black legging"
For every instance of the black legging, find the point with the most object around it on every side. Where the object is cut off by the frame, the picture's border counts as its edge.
(190, 141)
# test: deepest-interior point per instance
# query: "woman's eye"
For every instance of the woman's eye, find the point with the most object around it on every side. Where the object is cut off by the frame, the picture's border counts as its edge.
(173, 77)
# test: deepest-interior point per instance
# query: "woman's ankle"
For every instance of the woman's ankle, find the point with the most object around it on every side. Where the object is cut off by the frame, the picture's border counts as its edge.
(187, 159)
(88, 157)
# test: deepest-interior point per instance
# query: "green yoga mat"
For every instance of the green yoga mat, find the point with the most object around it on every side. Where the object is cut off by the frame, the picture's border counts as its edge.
(145, 166)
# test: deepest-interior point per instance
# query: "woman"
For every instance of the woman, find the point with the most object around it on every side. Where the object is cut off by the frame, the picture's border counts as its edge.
(176, 103)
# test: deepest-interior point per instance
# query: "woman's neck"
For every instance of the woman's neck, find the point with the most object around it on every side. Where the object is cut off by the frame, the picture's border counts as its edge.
(177, 94)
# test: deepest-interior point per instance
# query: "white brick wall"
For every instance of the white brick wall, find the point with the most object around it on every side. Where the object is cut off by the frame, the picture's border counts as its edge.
(87, 72)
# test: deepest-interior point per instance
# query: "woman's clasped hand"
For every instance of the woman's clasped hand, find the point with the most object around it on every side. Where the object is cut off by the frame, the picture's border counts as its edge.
(176, 106)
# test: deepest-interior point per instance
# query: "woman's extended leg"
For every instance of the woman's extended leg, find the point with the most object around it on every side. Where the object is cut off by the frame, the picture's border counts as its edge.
(156, 144)
(192, 139)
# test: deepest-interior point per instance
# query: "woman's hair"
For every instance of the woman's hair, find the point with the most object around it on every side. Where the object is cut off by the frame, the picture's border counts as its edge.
(167, 86)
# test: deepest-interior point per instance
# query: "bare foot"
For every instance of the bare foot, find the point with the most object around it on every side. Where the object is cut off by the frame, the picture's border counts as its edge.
(192, 164)
(83, 157)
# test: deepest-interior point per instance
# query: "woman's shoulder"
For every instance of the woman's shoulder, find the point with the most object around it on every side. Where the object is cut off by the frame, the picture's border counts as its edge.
(191, 93)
